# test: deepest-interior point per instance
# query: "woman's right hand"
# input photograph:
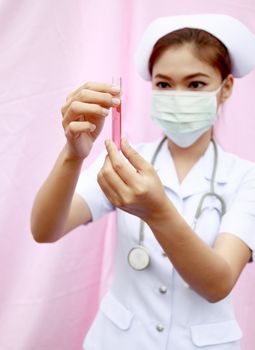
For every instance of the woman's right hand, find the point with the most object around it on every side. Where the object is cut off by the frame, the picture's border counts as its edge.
(84, 114)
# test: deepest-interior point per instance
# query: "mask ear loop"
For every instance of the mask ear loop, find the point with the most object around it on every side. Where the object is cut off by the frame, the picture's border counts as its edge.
(220, 105)
(221, 86)
(212, 191)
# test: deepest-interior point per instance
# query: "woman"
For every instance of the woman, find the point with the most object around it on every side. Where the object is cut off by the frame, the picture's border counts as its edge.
(185, 222)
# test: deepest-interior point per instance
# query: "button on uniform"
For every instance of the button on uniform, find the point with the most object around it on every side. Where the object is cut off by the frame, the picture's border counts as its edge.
(163, 289)
(160, 327)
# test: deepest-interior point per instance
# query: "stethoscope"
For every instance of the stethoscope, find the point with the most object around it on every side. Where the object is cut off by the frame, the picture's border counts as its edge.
(138, 257)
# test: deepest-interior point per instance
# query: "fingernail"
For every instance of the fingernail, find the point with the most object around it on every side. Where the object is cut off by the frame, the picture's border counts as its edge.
(92, 127)
(106, 143)
(116, 101)
(115, 88)
(105, 111)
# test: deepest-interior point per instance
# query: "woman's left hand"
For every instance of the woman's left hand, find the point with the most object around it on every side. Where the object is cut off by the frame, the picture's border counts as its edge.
(132, 184)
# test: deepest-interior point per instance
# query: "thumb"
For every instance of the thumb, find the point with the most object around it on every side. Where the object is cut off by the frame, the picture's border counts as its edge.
(138, 162)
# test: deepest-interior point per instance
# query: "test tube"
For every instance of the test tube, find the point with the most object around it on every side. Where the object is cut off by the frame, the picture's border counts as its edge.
(116, 120)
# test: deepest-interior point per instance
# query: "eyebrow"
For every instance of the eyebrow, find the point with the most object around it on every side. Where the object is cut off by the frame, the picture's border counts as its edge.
(191, 76)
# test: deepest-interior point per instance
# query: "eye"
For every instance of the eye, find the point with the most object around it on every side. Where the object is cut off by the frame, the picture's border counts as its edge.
(197, 84)
(163, 85)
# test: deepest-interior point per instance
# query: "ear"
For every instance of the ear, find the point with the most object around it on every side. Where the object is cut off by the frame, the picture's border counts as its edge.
(227, 88)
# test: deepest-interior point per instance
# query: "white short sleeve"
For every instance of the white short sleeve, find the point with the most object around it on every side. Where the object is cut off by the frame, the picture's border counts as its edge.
(88, 188)
(240, 217)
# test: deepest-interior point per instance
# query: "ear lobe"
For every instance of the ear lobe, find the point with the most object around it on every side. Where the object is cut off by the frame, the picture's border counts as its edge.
(224, 96)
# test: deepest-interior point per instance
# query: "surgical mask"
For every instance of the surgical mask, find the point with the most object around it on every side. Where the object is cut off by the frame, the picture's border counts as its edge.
(184, 115)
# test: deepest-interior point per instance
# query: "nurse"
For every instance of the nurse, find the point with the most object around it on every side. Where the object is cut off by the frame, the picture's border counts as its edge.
(185, 207)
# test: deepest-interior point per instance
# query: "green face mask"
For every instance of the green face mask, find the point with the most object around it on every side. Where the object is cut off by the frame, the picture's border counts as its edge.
(184, 115)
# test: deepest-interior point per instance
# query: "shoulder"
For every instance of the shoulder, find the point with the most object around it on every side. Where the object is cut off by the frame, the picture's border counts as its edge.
(235, 167)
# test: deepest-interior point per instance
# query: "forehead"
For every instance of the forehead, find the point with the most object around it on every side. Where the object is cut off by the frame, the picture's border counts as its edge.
(182, 60)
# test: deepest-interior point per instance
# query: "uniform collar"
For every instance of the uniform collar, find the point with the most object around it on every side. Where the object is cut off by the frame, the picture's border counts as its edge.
(199, 177)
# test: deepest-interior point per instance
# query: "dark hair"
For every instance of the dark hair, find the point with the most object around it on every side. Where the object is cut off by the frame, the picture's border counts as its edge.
(206, 47)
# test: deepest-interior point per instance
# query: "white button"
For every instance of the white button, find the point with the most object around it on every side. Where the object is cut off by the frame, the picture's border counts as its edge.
(163, 289)
(163, 253)
(159, 327)
(186, 285)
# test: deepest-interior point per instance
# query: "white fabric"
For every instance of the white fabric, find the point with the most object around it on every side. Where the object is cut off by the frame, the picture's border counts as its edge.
(184, 115)
(88, 188)
(134, 310)
(238, 39)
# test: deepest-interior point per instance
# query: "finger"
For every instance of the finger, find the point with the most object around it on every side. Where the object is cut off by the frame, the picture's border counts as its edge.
(75, 128)
(103, 99)
(78, 109)
(111, 196)
(138, 162)
(100, 87)
(112, 184)
(126, 172)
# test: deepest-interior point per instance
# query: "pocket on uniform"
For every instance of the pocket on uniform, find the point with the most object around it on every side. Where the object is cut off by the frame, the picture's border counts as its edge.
(116, 312)
(216, 333)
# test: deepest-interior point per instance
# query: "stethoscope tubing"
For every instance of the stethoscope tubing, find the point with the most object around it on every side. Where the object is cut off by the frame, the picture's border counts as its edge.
(211, 193)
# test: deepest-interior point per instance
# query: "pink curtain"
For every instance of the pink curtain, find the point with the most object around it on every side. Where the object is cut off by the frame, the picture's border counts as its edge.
(49, 293)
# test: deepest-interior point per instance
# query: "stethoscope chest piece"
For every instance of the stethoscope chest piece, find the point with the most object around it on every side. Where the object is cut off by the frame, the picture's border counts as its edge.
(138, 258)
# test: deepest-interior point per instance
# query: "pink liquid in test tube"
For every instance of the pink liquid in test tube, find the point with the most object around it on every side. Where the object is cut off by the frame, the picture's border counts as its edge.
(116, 123)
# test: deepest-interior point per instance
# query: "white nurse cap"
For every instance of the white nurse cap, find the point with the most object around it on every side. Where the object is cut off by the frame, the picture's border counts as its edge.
(238, 39)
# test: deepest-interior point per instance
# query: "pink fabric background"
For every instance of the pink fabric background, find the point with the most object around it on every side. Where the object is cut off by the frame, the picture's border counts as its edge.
(49, 293)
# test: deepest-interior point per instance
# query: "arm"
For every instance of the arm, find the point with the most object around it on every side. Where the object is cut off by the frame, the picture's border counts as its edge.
(211, 271)
(136, 188)
(57, 209)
